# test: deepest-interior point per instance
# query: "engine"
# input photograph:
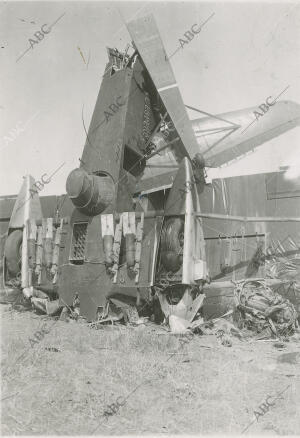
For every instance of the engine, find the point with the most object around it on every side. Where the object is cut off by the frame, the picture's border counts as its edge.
(90, 193)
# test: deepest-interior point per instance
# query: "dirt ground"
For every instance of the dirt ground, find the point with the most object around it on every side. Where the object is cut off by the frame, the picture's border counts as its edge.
(204, 388)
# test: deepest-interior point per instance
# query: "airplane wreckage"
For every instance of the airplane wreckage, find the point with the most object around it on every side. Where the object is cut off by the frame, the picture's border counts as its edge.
(146, 220)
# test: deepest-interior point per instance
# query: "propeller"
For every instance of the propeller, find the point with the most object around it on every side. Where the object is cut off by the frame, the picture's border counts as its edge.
(148, 43)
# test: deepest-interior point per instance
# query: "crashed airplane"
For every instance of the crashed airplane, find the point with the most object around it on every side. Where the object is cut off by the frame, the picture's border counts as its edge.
(146, 220)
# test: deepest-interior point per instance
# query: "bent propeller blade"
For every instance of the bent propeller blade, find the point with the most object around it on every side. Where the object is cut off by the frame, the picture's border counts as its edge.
(147, 40)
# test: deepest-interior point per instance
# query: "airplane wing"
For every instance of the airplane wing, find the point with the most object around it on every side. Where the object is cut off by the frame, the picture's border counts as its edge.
(148, 43)
(231, 135)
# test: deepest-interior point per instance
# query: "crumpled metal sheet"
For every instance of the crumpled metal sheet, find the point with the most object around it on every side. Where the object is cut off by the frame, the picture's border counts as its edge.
(261, 307)
(46, 306)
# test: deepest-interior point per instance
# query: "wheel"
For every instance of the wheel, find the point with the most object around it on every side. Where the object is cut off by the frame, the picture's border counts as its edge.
(13, 252)
(172, 240)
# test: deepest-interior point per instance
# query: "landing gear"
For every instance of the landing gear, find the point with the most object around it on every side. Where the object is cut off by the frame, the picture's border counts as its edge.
(178, 300)
(181, 301)
(172, 239)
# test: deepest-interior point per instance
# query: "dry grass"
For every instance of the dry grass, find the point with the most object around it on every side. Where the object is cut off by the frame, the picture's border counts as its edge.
(198, 390)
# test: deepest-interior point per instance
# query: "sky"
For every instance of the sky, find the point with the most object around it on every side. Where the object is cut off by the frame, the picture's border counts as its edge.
(245, 53)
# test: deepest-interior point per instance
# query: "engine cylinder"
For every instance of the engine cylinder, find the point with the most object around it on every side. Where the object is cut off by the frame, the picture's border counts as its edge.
(130, 249)
(91, 194)
(108, 242)
(31, 253)
(48, 252)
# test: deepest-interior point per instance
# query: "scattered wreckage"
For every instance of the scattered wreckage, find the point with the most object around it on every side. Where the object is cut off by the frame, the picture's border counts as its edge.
(149, 227)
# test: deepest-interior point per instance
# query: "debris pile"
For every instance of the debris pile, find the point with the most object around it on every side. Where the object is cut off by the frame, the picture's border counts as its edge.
(260, 312)
(262, 309)
(117, 311)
